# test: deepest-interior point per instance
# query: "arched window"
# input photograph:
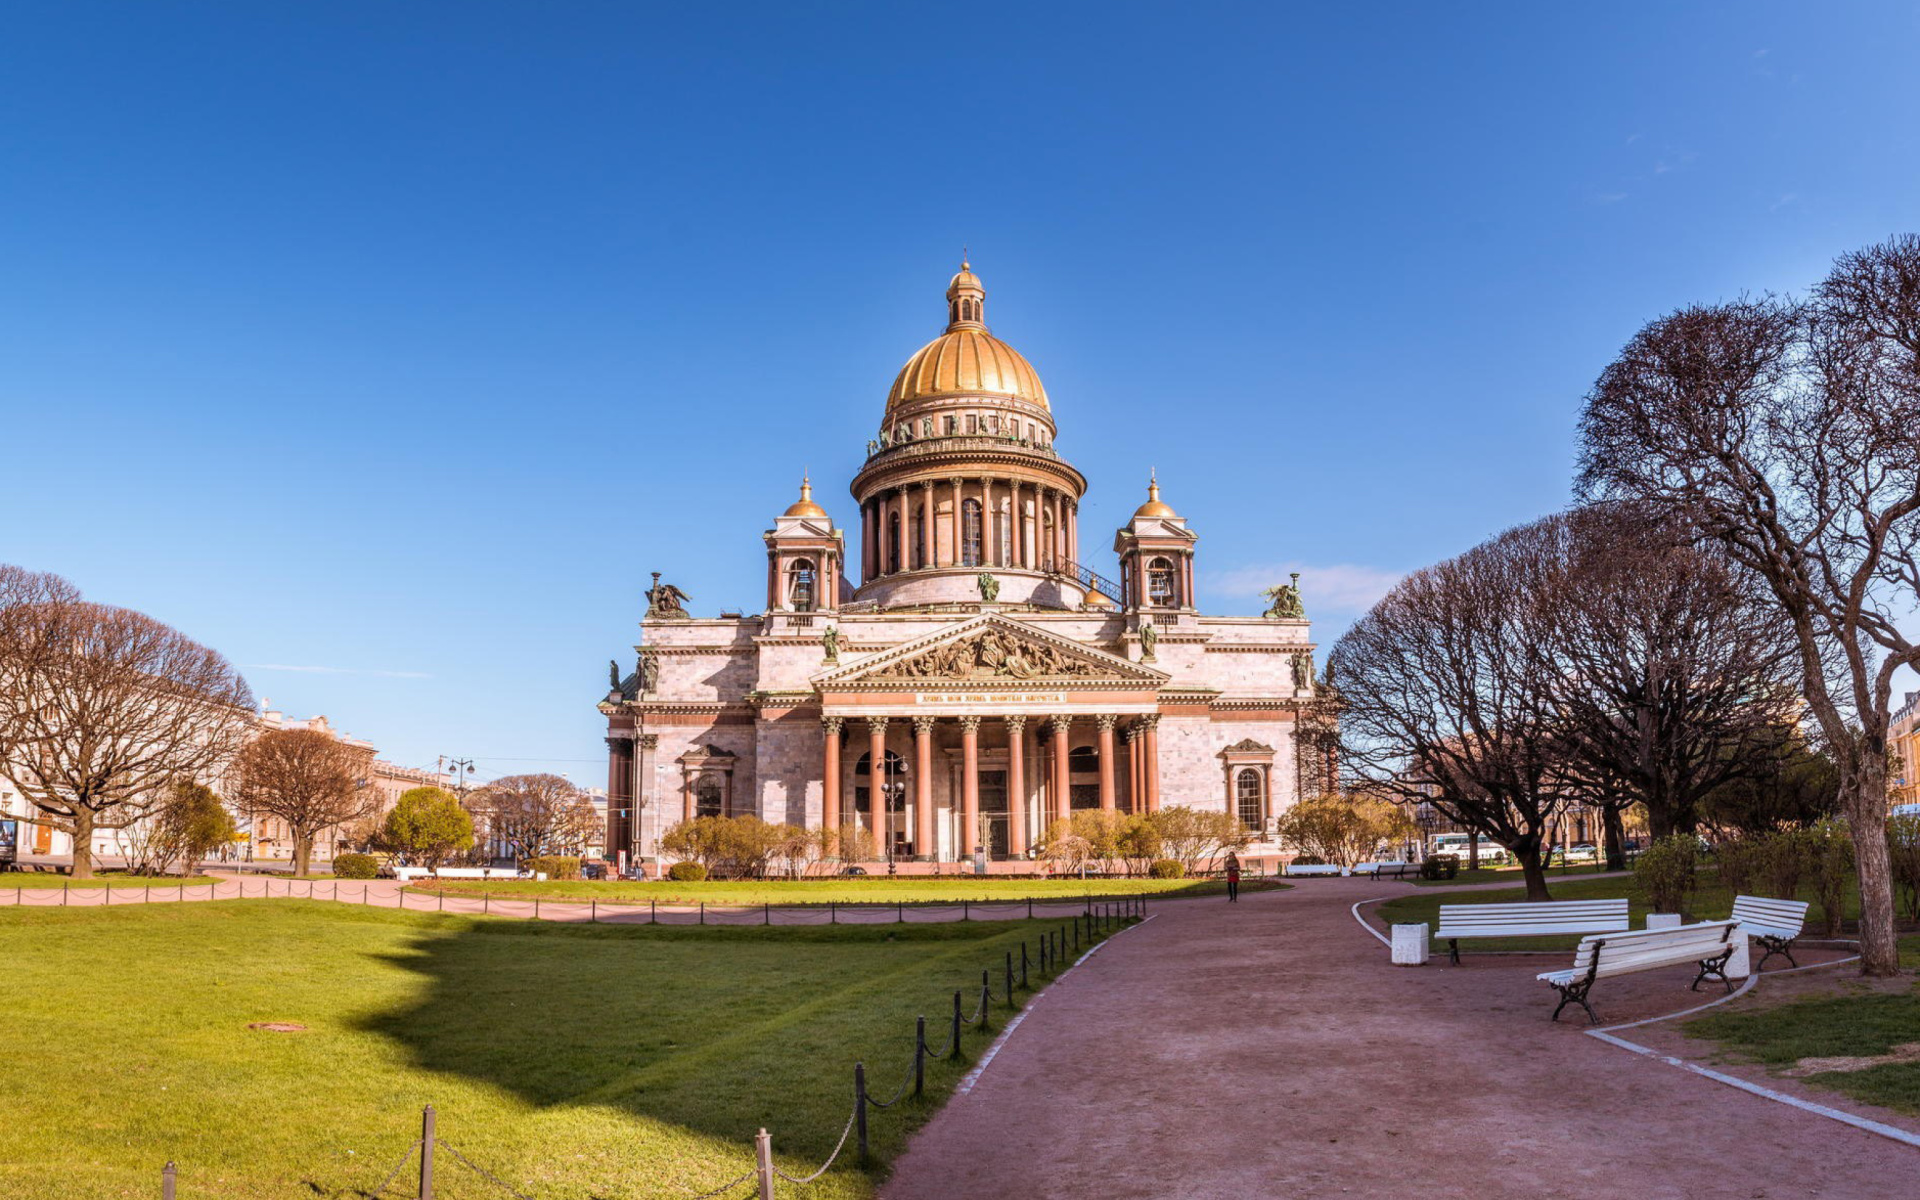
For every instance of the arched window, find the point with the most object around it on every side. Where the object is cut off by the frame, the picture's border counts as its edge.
(919, 539)
(1249, 798)
(1162, 592)
(970, 533)
(709, 797)
(1006, 530)
(800, 585)
(893, 542)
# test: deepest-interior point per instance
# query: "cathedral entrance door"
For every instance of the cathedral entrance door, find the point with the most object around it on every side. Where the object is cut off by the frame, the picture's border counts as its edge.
(993, 813)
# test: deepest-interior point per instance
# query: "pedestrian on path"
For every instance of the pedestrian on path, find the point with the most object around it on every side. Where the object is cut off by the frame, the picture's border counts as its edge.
(1233, 878)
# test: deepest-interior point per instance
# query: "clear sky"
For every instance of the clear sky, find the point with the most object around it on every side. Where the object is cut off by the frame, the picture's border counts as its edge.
(388, 347)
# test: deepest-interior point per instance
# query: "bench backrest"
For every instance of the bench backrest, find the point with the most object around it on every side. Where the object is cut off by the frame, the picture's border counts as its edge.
(1645, 948)
(1552, 916)
(1786, 917)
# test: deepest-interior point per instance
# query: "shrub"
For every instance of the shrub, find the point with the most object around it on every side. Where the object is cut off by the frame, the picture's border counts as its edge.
(428, 825)
(1742, 862)
(1667, 871)
(1440, 866)
(355, 866)
(1830, 862)
(555, 866)
(686, 872)
(732, 847)
(1167, 868)
(1784, 858)
(1308, 860)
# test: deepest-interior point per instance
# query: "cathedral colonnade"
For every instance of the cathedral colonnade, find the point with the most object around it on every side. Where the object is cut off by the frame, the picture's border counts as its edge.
(1005, 777)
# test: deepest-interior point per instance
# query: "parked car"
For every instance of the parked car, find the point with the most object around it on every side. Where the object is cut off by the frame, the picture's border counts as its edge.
(1582, 852)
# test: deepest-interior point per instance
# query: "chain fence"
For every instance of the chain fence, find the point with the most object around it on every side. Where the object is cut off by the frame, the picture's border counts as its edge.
(1054, 951)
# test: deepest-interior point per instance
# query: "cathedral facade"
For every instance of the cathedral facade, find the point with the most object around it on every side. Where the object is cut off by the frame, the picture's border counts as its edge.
(979, 681)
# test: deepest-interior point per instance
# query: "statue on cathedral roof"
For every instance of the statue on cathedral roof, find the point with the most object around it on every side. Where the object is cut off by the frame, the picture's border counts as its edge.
(989, 586)
(1286, 601)
(666, 600)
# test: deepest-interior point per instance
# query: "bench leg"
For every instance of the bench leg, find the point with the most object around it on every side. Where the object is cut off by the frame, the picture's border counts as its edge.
(1714, 968)
(1453, 951)
(1774, 945)
(1576, 993)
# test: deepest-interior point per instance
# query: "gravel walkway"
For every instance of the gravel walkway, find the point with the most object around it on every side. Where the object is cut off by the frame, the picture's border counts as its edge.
(1268, 1048)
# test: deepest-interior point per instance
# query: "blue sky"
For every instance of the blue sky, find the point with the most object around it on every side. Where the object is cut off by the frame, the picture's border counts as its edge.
(389, 347)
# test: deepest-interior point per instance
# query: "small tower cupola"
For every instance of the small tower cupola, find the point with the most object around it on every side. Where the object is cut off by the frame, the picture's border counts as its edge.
(966, 300)
(1156, 555)
(805, 558)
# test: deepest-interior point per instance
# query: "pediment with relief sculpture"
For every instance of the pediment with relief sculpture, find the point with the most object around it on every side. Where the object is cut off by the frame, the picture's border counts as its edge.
(994, 650)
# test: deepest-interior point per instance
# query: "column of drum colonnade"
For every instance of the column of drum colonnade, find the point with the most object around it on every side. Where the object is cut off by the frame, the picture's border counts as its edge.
(1143, 767)
(1027, 548)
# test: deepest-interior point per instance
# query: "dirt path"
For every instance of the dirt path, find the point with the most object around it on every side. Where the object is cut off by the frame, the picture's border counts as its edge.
(1269, 1048)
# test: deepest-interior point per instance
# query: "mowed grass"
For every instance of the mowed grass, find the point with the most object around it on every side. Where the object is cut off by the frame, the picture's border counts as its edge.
(572, 1061)
(835, 890)
(1862, 1025)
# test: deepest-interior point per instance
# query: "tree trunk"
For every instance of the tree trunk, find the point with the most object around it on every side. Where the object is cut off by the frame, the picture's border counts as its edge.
(1614, 824)
(82, 842)
(1533, 873)
(302, 853)
(1473, 852)
(1865, 805)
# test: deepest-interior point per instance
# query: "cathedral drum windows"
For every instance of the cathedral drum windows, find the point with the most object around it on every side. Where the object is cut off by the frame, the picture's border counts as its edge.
(970, 540)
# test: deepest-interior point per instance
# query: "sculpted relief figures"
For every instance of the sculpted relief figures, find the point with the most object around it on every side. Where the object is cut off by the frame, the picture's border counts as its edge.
(991, 655)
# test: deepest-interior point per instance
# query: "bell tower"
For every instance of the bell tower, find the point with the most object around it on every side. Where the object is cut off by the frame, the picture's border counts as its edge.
(805, 557)
(1156, 556)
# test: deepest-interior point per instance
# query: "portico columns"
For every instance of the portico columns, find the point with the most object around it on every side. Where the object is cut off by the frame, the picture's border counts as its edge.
(923, 789)
(1150, 762)
(1062, 804)
(686, 792)
(876, 781)
(969, 785)
(1016, 787)
(1106, 723)
(830, 814)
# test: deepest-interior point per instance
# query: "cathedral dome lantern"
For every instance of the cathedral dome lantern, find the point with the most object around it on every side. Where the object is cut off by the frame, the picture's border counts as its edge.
(1156, 555)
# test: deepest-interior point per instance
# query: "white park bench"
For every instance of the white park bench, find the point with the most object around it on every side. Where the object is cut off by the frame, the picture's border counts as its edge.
(1707, 946)
(1772, 923)
(1312, 869)
(1528, 920)
(1387, 870)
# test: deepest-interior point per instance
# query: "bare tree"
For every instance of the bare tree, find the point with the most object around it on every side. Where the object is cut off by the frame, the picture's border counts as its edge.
(1445, 702)
(105, 708)
(1786, 431)
(1676, 673)
(536, 814)
(308, 780)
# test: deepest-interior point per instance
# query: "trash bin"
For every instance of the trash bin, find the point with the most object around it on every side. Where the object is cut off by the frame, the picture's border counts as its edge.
(1410, 945)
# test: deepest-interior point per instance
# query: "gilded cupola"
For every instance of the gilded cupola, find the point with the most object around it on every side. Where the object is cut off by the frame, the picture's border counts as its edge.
(966, 360)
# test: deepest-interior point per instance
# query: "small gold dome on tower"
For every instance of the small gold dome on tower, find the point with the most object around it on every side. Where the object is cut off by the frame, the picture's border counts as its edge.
(1154, 507)
(804, 506)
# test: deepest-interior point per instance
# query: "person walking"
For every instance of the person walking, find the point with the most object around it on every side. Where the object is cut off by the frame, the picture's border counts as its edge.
(1233, 878)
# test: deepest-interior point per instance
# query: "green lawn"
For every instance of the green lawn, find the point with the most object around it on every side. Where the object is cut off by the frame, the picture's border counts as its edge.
(1711, 902)
(36, 879)
(574, 1061)
(1508, 875)
(838, 890)
(1858, 1025)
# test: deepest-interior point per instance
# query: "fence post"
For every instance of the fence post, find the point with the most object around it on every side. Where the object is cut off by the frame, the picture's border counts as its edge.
(536, 908)
(653, 912)
(426, 1153)
(768, 906)
(860, 1104)
(1009, 979)
(963, 910)
(1076, 935)
(1029, 908)
(986, 999)
(486, 898)
(593, 910)
(763, 1163)
(64, 885)
(956, 1025)
(900, 912)
(919, 1055)
(703, 912)
(1023, 964)
(833, 913)
(167, 1181)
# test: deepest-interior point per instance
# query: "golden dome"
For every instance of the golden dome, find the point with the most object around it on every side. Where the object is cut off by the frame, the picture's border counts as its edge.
(804, 506)
(966, 360)
(1154, 507)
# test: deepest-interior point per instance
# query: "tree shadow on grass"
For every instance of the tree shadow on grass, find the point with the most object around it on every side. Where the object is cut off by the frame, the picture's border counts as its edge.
(716, 1031)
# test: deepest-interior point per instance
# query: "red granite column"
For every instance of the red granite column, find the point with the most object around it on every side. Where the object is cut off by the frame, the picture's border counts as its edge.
(830, 814)
(1106, 722)
(1016, 787)
(1062, 801)
(923, 789)
(1150, 763)
(686, 792)
(876, 777)
(1136, 797)
(969, 785)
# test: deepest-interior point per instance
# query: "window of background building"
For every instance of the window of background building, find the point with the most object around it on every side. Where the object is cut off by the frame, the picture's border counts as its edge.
(1248, 795)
